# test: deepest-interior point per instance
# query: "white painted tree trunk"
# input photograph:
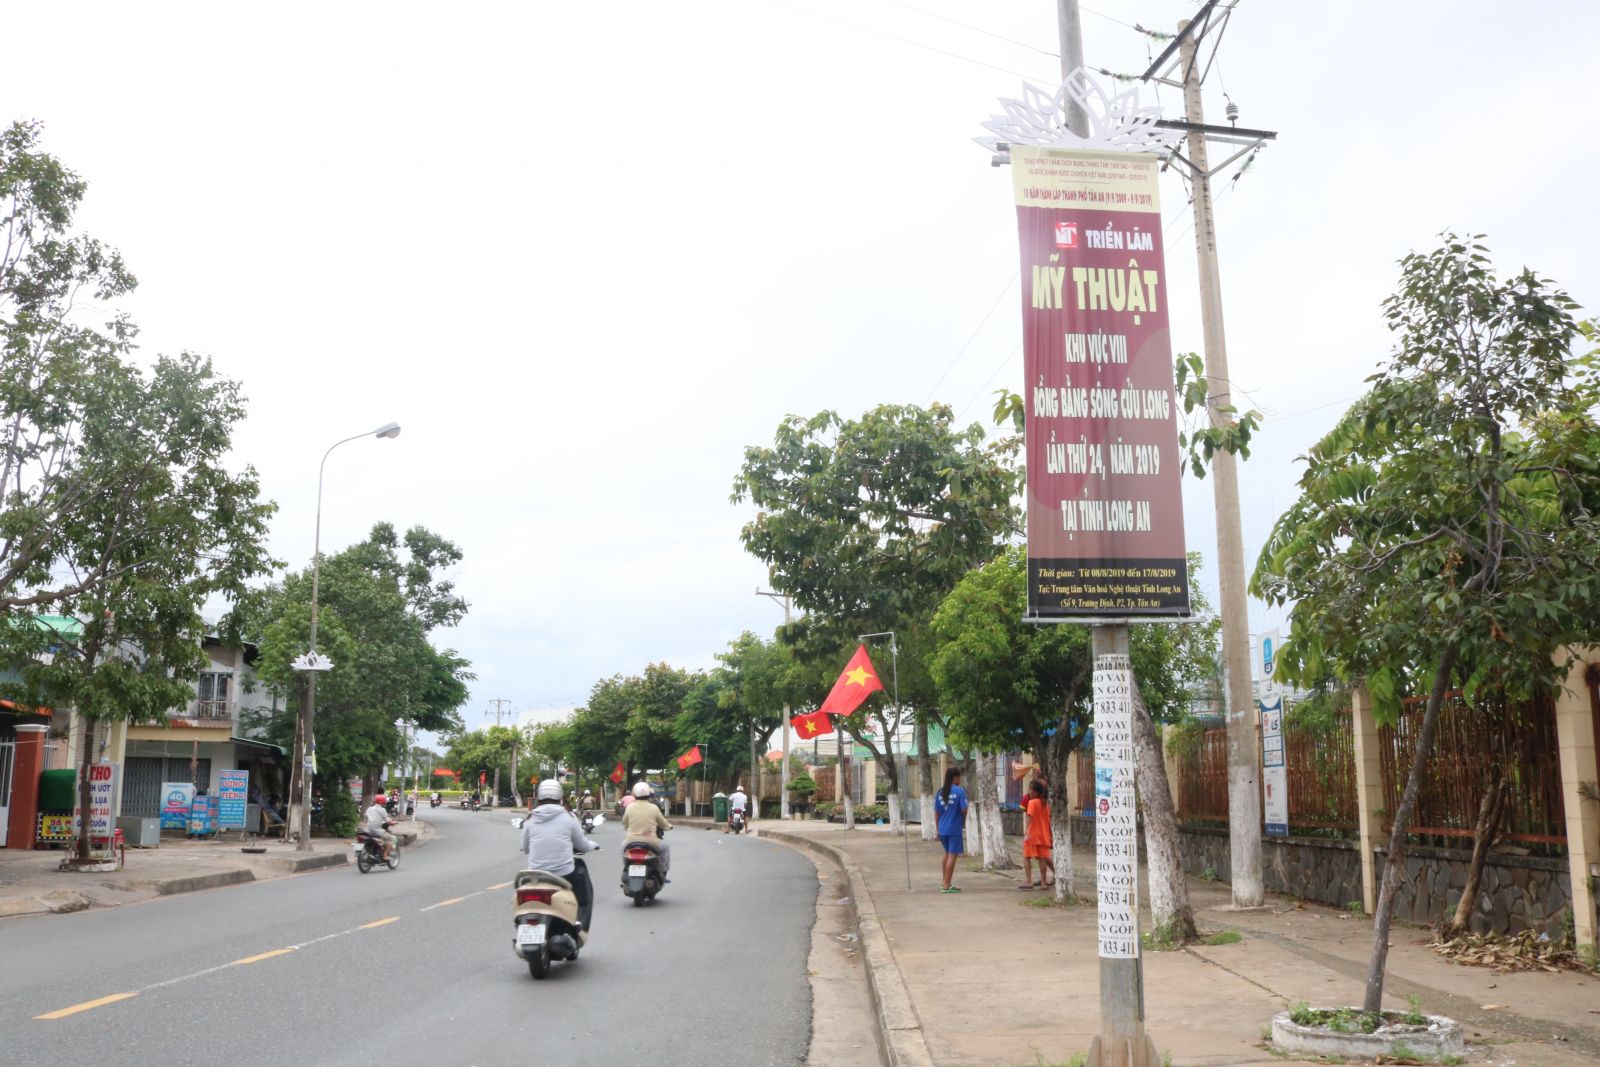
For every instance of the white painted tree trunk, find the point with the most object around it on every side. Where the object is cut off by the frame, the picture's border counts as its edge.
(896, 824)
(1169, 893)
(996, 857)
(930, 824)
(1061, 845)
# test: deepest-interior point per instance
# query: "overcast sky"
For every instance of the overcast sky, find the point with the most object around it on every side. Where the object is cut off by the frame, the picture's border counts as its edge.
(584, 253)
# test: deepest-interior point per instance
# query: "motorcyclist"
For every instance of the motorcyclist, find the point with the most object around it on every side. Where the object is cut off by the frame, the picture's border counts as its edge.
(553, 840)
(739, 802)
(644, 822)
(588, 801)
(378, 822)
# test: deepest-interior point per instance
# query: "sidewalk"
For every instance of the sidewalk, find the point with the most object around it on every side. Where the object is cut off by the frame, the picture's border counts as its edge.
(30, 881)
(987, 977)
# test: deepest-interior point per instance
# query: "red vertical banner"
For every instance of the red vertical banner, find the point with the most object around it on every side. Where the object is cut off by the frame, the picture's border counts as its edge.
(1105, 512)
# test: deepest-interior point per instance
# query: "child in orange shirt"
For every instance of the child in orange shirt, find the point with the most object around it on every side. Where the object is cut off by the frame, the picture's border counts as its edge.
(1037, 844)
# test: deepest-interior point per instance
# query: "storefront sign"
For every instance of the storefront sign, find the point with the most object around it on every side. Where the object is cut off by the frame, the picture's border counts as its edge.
(1105, 514)
(103, 778)
(203, 817)
(175, 800)
(233, 791)
(57, 827)
(1115, 827)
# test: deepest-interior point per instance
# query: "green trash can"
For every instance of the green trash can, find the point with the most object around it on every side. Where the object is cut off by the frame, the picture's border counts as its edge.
(719, 807)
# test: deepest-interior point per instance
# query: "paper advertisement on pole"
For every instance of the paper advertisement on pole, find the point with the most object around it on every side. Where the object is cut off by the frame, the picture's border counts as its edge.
(1116, 825)
(1105, 513)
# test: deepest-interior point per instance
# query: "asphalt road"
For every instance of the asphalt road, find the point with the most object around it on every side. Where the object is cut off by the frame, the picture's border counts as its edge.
(414, 966)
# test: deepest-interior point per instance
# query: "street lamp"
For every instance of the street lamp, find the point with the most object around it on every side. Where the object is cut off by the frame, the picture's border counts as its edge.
(312, 663)
(783, 770)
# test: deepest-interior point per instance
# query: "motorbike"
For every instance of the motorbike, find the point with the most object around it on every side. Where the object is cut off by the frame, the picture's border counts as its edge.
(641, 872)
(369, 852)
(433, 801)
(587, 818)
(472, 803)
(546, 921)
(736, 821)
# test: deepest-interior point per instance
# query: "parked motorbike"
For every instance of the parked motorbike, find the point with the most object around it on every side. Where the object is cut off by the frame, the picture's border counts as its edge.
(641, 872)
(546, 921)
(736, 821)
(369, 852)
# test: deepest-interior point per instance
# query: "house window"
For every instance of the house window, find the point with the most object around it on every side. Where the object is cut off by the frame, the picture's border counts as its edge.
(213, 691)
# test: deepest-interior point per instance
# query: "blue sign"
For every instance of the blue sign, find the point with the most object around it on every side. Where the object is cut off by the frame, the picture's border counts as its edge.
(175, 800)
(233, 790)
(203, 817)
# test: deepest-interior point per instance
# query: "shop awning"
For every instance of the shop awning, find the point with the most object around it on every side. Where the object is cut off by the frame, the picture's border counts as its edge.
(250, 742)
(23, 709)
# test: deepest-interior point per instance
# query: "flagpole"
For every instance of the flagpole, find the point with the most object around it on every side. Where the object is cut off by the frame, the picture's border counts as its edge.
(888, 744)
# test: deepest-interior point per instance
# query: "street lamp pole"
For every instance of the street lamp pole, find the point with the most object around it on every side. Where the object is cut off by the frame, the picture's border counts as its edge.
(783, 770)
(311, 663)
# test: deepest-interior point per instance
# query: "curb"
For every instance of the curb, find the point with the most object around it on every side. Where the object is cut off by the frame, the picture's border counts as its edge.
(899, 1027)
(166, 887)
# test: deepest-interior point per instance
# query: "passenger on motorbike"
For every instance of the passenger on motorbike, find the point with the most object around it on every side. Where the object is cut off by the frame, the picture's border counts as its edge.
(553, 841)
(644, 822)
(377, 823)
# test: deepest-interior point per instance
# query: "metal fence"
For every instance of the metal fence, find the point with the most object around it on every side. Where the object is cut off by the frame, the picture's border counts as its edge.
(1321, 772)
(1519, 738)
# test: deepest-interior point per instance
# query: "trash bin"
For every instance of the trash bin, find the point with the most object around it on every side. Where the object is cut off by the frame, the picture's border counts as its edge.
(719, 807)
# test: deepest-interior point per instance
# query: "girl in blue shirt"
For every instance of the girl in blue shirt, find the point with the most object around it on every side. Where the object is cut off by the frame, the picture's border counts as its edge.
(951, 805)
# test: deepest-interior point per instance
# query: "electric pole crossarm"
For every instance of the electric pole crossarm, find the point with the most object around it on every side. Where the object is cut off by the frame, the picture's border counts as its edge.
(1176, 43)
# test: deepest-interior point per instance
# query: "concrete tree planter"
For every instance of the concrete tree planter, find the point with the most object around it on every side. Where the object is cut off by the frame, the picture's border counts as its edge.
(1437, 1038)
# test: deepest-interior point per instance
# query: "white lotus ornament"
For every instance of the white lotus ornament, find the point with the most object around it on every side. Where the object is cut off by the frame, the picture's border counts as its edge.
(313, 661)
(1116, 121)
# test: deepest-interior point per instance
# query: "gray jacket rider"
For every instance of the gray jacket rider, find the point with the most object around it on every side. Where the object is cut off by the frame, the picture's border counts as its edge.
(551, 836)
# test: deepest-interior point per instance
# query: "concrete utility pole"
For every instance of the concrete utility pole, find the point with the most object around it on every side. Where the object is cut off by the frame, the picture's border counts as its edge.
(1244, 786)
(499, 711)
(1122, 1041)
(516, 739)
(783, 771)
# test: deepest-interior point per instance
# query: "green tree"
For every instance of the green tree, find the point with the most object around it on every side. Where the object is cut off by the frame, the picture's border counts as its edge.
(379, 603)
(161, 443)
(1004, 682)
(1446, 532)
(867, 524)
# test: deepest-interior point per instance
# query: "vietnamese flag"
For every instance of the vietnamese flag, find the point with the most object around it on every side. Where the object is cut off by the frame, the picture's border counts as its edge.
(619, 774)
(690, 758)
(815, 724)
(857, 682)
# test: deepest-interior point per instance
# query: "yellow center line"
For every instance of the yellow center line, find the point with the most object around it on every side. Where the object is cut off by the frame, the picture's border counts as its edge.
(502, 885)
(85, 1006)
(379, 922)
(445, 903)
(262, 956)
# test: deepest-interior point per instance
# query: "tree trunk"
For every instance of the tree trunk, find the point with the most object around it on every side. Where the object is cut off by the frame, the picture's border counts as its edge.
(930, 825)
(1395, 859)
(996, 857)
(1484, 835)
(894, 814)
(1057, 755)
(1169, 892)
(85, 762)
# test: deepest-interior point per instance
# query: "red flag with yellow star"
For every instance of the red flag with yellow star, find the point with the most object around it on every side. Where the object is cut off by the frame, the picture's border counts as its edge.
(815, 724)
(857, 682)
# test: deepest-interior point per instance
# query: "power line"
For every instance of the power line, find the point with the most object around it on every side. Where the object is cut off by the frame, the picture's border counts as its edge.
(987, 381)
(914, 44)
(977, 29)
(973, 336)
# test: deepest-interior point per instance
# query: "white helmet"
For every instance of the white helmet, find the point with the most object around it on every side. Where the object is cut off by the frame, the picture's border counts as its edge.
(641, 789)
(549, 789)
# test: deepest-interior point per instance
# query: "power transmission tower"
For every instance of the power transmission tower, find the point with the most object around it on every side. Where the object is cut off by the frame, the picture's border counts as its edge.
(1244, 785)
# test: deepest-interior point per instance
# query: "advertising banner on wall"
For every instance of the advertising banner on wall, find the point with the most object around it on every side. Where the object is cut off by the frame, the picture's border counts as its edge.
(176, 797)
(1105, 515)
